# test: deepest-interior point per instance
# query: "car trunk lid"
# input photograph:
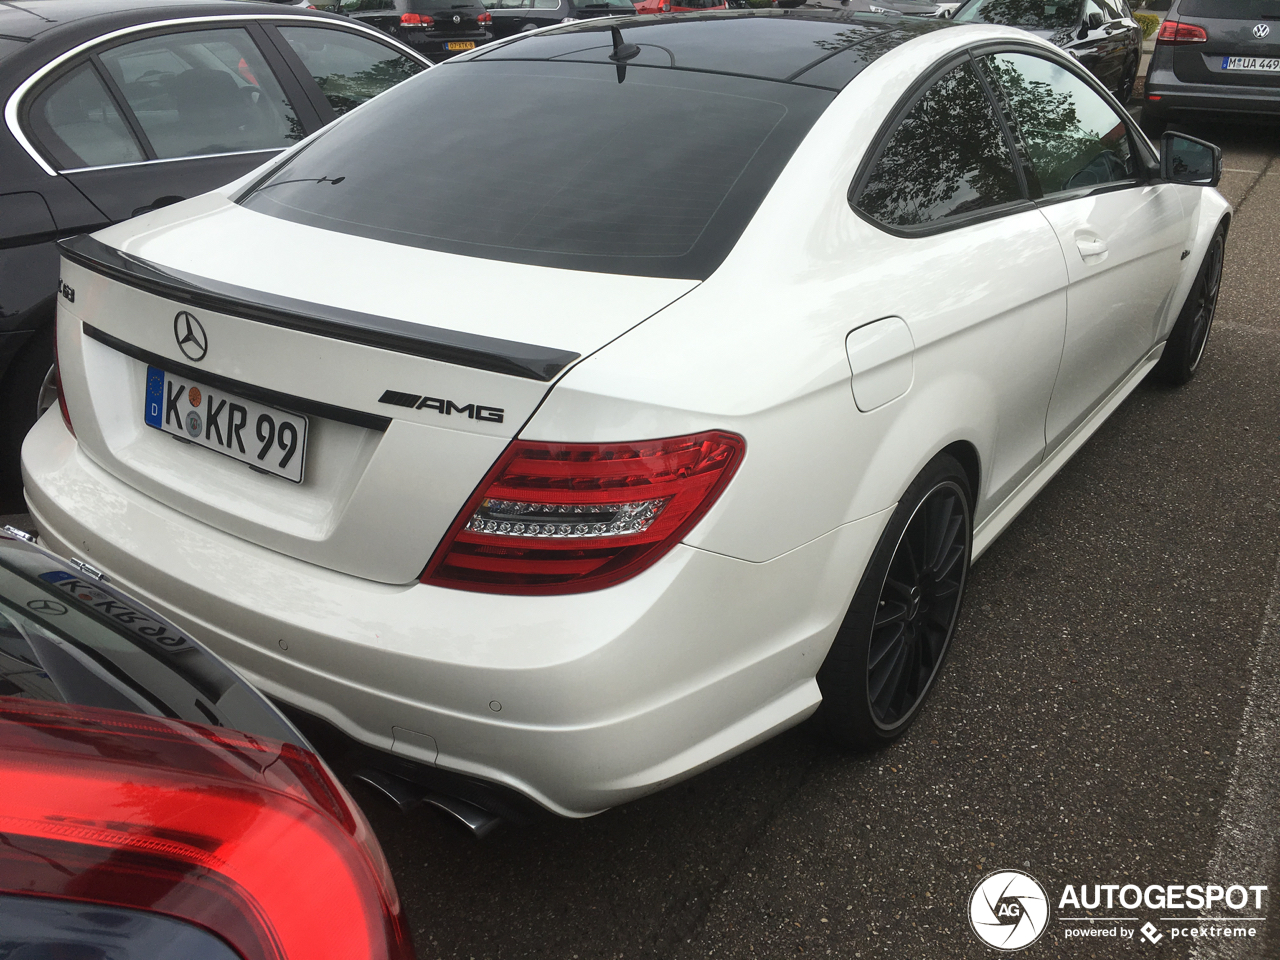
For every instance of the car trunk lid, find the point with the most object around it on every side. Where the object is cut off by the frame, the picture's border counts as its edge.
(412, 368)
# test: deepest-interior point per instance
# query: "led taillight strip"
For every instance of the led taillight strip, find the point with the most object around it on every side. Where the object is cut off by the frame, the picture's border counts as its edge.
(569, 517)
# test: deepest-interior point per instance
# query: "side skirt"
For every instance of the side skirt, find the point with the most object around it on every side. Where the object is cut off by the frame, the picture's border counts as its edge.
(1016, 502)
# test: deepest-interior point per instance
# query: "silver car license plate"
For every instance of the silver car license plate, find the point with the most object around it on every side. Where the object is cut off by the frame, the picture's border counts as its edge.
(266, 438)
(1265, 64)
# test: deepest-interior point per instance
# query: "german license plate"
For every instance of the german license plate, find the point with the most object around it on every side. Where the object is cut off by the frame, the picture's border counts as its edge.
(267, 439)
(460, 45)
(1267, 64)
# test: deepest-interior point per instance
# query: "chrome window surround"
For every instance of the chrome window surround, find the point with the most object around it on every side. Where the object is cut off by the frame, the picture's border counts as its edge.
(15, 99)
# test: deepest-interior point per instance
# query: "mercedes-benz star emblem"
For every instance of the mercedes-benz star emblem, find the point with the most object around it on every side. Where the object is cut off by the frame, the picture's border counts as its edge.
(51, 607)
(1261, 30)
(192, 340)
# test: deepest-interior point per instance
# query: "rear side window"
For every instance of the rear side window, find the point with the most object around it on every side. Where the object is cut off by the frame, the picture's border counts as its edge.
(203, 92)
(552, 163)
(76, 121)
(348, 69)
(947, 158)
(1073, 138)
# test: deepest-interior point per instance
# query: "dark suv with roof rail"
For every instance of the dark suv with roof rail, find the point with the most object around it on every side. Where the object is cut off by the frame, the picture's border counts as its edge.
(1214, 59)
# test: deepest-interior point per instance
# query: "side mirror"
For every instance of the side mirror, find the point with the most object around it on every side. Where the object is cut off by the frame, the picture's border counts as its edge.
(1185, 159)
(1093, 21)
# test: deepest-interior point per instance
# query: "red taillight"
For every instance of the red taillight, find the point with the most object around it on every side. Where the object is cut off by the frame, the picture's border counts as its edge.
(568, 517)
(248, 837)
(485, 17)
(62, 394)
(1172, 31)
(415, 20)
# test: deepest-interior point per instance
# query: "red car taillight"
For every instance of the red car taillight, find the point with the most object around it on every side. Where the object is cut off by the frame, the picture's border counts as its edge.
(248, 837)
(415, 20)
(485, 17)
(1174, 32)
(568, 517)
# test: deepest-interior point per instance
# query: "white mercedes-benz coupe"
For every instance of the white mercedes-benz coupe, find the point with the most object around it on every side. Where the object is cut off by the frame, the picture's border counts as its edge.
(646, 387)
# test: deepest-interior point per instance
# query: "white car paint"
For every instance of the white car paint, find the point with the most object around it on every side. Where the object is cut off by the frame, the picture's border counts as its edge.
(605, 696)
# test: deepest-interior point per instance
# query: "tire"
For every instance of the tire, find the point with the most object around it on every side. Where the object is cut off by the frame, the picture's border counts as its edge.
(1185, 346)
(891, 646)
(28, 373)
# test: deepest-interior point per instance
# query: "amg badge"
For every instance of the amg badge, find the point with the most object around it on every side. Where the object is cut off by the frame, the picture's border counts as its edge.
(473, 411)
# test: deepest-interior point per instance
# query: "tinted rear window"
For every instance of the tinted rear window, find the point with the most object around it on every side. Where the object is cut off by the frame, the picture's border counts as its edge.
(555, 164)
(1230, 9)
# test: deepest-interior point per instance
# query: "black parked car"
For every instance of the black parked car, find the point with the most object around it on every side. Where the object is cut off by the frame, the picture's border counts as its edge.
(1101, 34)
(438, 29)
(115, 109)
(518, 16)
(1216, 58)
(155, 805)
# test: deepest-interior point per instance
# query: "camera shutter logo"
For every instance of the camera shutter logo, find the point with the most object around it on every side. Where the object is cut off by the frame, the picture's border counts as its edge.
(192, 340)
(1261, 30)
(1009, 910)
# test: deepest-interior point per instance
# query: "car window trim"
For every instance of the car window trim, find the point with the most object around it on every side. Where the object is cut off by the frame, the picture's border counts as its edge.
(881, 141)
(143, 163)
(1053, 55)
(15, 106)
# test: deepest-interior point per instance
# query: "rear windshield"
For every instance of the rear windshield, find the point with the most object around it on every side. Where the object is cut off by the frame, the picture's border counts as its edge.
(1231, 9)
(555, 164)
(1034, 14)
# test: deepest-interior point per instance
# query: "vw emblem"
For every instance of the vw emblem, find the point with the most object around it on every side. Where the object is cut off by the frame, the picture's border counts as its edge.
(458, 19)
(51, 607)
(192, 340)
(1261, 30)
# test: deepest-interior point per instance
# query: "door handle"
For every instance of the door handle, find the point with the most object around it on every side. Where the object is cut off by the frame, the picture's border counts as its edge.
(1091, 247)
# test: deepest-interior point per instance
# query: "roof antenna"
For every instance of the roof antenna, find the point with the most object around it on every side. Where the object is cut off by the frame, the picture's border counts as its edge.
(622, 52)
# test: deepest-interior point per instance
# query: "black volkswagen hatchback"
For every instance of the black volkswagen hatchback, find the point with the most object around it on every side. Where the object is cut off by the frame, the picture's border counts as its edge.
(113, 109)
(438, 29)
(1214, 58)
(1101, 34)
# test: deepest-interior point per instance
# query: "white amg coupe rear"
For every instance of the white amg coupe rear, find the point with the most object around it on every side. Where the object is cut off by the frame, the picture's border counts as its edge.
(629, 392)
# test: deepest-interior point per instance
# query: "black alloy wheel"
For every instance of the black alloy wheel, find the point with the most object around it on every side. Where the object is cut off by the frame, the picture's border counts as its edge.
(1185, 347)
(888, 651)
(918, 605)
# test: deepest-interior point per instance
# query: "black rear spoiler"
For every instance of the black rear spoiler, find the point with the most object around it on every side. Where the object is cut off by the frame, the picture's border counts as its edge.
(526, 360)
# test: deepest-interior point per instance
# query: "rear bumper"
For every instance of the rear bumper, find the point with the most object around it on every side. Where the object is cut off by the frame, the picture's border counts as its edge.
(435, 46)
(578, 702)
(1191, 99)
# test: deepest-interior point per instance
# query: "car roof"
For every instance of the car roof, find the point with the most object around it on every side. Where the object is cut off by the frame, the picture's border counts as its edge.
(802, 45)
(22, 22)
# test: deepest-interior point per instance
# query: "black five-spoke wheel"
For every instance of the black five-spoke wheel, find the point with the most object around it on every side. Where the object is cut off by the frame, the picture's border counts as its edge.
(918, 605)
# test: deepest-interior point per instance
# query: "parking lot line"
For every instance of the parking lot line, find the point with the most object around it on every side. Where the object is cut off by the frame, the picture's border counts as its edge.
(1247, 837)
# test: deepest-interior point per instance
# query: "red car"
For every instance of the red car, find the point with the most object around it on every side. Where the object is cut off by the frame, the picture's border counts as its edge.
(155, 806)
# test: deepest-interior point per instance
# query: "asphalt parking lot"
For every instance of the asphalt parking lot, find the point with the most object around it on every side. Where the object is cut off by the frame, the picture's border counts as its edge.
(1109, 714)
